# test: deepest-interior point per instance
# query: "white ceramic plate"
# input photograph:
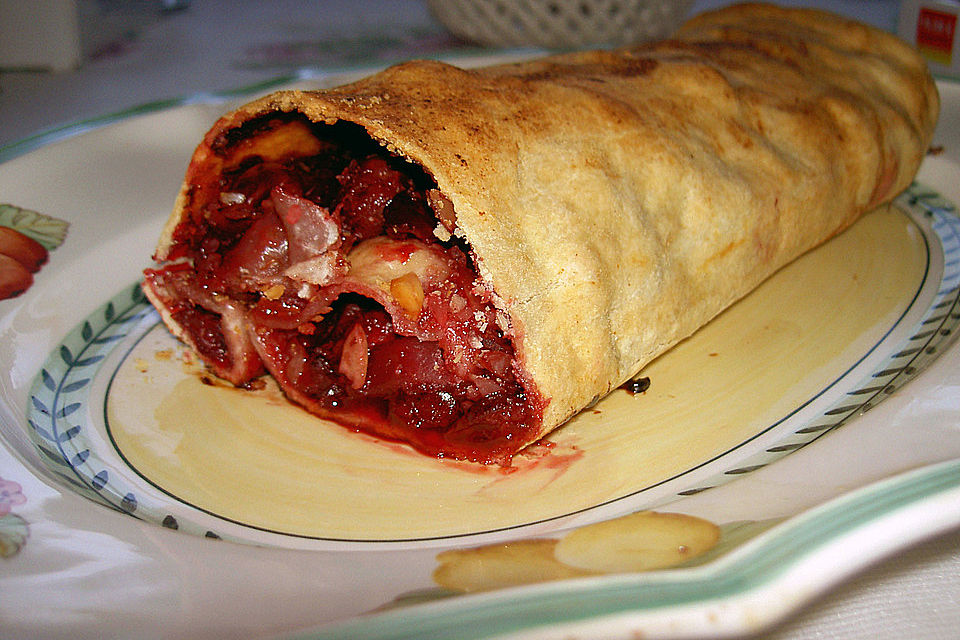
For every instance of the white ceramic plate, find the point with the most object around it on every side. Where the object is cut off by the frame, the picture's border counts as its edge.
(755, 434)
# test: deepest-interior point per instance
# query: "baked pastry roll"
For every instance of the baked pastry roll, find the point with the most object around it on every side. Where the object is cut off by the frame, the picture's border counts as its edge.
(464, 259)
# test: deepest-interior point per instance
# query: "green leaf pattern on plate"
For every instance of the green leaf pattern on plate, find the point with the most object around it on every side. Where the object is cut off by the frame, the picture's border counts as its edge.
(59, 399)
(48, 231)
(13, 535)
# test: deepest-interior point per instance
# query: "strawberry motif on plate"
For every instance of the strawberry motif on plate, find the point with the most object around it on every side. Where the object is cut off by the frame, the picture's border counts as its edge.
(26, 237)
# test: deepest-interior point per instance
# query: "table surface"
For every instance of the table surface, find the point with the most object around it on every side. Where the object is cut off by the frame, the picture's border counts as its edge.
(203, 48)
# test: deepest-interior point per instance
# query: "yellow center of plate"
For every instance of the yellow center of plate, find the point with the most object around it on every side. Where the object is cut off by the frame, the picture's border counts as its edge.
(252, 457)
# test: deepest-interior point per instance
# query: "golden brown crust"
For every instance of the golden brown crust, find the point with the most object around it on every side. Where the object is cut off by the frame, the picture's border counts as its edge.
(616, 201)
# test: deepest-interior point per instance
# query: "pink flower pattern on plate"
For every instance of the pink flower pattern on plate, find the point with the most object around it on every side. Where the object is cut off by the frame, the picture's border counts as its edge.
(10, 496)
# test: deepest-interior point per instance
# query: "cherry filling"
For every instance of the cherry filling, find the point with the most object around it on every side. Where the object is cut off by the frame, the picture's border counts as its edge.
(317, 261)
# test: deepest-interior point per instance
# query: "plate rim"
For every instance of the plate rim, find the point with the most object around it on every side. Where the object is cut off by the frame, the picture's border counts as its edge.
(752, 569)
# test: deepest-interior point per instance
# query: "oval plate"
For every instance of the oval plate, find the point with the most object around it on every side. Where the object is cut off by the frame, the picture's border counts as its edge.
(123, 414)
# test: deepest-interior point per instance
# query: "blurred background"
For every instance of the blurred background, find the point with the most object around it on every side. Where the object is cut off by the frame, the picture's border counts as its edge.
(66, 61)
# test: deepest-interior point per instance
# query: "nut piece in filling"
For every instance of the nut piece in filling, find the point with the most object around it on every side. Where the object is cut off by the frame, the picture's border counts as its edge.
(311, 254)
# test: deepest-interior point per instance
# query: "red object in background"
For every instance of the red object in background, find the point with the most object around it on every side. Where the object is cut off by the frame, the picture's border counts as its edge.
(935, 31)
